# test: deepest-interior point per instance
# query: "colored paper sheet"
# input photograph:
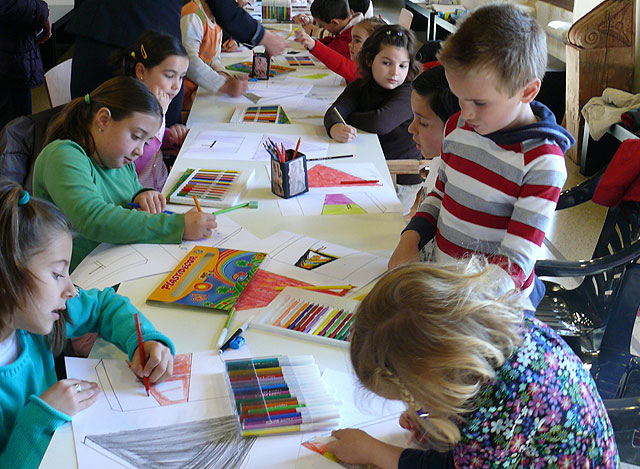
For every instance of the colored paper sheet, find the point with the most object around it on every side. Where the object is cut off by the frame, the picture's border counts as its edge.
(326, 176)
(262, 289)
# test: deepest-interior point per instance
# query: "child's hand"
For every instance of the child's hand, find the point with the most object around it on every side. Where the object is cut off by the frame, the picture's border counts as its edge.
(176, 134)
(407, 250)
(342, 133)
(229, 46)
(151, 201)
(163, 98)
(198, 225)
(408, 423)
(302, 19)
(159, 362)
(70, 396)
(303, 38)
(235, 86)
(274, 44)
(357, 447)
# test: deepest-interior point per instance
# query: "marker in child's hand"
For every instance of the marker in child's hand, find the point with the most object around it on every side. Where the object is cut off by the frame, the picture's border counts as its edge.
(132, 205)
(292, 32)
(143, 360)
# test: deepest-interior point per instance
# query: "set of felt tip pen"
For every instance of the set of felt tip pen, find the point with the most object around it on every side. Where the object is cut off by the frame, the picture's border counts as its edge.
(280, 395)
(316, 319)
(278, 153)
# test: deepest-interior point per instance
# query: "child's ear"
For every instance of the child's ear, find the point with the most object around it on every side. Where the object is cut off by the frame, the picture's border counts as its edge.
(531, 90)
(139, 70)
(335, 22)
(103, 117)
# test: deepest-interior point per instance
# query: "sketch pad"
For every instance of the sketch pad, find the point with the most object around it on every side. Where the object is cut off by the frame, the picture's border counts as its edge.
(209, 277)
(309, 315)
(214, 187)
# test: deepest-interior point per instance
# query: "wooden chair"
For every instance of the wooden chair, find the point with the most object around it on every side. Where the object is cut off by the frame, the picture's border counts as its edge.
(58, 83)
(406, 167)
(405, 19)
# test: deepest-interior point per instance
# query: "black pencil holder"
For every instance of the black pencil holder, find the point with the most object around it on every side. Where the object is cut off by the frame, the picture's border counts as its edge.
(289, 179)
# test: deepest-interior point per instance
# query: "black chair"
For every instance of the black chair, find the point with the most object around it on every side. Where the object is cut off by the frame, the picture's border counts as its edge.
(20, 143)
(581, 315)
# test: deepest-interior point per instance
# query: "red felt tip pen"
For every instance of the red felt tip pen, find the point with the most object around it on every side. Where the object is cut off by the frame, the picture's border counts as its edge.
(143, 360)
(361, 181)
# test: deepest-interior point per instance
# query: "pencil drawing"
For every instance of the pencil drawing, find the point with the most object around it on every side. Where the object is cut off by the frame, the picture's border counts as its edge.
(208, 444)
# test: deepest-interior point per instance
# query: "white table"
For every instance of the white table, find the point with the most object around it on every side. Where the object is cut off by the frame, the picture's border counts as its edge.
(196, 330)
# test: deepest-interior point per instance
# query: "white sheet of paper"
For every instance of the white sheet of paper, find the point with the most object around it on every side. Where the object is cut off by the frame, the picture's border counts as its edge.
(320, 203)
(123, 406)
(111, 264)
(351, 266)
(271, 92)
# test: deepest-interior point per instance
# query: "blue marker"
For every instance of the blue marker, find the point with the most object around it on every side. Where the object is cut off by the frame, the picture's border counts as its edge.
(132, 205)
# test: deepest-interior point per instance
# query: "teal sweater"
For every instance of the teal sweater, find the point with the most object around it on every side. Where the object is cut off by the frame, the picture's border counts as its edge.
(27, 423)
(95, 200)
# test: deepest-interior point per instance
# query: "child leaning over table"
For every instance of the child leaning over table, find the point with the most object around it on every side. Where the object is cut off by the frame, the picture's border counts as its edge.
(87, 171)
(39, 309)
(502, 165)
(380, 102)
(335, 17)
(202, 38)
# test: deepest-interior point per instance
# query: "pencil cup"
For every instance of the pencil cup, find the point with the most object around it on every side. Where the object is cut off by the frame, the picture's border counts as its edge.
(261, 66)
(289, 179)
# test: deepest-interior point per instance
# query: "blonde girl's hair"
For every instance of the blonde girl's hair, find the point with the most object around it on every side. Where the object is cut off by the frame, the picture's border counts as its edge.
(433, 335)
(501, 41)
(370, 24)
(28, 226)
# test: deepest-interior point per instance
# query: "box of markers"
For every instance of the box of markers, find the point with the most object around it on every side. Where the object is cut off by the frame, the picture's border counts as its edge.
(309, 315)
(280, 394)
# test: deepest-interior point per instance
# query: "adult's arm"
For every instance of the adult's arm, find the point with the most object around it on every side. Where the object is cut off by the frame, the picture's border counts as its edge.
(236, 21)
(28, 14)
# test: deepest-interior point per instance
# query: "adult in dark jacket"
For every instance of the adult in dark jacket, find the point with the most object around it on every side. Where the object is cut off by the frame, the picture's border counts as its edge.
(102, 27)
(20, 61)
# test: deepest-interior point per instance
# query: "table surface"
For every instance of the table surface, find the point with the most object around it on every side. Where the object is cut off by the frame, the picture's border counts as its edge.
(196, 330)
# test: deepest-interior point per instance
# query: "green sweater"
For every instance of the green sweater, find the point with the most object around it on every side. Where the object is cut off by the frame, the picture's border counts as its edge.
(95, 200)
(27, 422)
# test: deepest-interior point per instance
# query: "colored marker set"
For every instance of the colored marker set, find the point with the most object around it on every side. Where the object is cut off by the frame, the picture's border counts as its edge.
(276, 10)
(311, 315)
(280, 394)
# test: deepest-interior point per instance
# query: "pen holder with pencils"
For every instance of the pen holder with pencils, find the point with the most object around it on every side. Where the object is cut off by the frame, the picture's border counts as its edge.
(289, 178)
(261, 66)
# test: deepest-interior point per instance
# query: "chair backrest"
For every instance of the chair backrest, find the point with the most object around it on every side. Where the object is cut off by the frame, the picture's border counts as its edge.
(405, 19)
(58, 83)
(21, 141)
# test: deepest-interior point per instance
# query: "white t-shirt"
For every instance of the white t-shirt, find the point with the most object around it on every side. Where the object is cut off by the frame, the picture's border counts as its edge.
(9, 349)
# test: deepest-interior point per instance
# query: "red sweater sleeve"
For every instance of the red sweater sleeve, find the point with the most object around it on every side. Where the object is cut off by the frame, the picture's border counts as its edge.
(335, 62)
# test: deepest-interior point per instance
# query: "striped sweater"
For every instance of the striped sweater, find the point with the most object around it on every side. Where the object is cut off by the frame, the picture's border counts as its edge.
(495, 194)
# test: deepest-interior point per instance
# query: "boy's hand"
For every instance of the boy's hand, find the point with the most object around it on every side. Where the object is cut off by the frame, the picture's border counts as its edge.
(159, 362)
(357, 447)
(198, 225)
(407, 250)
(302, 19)
(70, 396)
(235, 86)
(163, 98)
(342, 133)
(274, 44)
(176, 135)
(303, 38)
(229, 45)
(151, 201)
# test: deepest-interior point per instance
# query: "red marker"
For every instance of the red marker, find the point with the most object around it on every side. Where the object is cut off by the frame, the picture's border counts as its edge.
(361, 181)
(143, 361)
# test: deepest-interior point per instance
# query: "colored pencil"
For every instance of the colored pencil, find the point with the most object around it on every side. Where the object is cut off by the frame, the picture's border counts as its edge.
(143, 360)
(339, 116)
(297, 148)
(362, 181)
(195, 200)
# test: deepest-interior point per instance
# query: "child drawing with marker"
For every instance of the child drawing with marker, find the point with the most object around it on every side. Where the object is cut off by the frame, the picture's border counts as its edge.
(160, 62)
(380, 102)
(39, 309)
(485, 385)
(87, 171)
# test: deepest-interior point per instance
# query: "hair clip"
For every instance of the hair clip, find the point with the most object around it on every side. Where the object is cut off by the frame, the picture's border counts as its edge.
(397, 33)
(87, 99)
(143, 52)
(133, 54)
(24, 198)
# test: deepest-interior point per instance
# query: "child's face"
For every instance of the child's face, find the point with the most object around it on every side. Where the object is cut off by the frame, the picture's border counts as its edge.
(167, 75)
(50, 268)
(358, 36)
(483, 107)
(390, 67)
(121, 142)
(334, 26)
(426, 128)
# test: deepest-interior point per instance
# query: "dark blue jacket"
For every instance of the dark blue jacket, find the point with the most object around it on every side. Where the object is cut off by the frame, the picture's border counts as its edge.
(20, 60)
